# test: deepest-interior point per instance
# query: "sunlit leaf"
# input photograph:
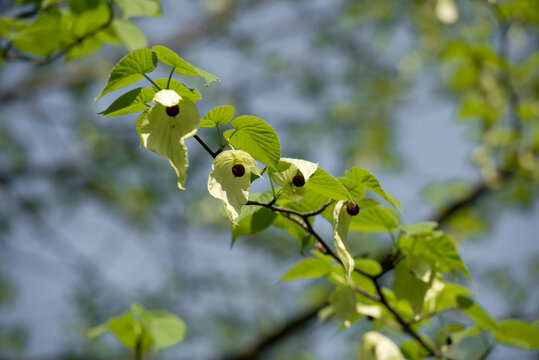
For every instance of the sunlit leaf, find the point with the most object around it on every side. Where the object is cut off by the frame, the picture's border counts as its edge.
(220, 115)
(308, 268)
(256, 137)
(181, 66)
(131, 36)
(132, 8)
(182, 90)
(132, 101)
(131, 68)
(359, 179)
(165, 328)
(327, 185)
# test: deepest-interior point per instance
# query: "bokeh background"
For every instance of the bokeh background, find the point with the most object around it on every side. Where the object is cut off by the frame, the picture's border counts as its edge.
(439, 99)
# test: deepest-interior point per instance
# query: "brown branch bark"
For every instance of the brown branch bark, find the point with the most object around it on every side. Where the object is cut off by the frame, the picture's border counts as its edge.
(278, 335)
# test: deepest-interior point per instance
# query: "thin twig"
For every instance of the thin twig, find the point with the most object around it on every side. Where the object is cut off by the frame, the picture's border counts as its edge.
(206, 147)
(406, 327)
(291, 211)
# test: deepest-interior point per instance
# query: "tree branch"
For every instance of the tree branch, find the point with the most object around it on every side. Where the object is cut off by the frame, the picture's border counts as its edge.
(206, 147)
(279, 334)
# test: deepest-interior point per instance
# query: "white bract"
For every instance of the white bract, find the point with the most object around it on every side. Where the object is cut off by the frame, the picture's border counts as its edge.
(165, 135)
(378, 347)
(224, 185)
(167, 98)
(341, 222)
(286, 170)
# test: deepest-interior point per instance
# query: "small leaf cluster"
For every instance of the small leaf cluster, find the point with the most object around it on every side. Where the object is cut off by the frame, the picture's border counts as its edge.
(426, 270)
(143, 331)
(45, 29)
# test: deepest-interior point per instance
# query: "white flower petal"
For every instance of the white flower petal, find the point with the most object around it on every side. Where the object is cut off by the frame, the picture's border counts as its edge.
(167, 98)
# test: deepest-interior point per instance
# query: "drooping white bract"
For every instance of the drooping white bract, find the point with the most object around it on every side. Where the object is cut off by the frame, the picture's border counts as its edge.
(341, 222)
(286, 170)
(376, 346)
(165, 134)
(224, 185)
(167, 98)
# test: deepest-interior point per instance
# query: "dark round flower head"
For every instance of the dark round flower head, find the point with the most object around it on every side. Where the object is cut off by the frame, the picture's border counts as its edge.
(298, 180)
(238, 170)
(173, 110)
(352, 209)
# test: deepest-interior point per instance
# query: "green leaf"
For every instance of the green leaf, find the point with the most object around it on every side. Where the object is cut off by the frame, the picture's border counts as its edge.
(343, 300)
(181, 66)
(376, 346)
(412, 229)
(97, 330)
(413, 350)
(359, 179)
(477, 313)
(130, 34)
(130, 102)
(371, 267)
(131, 68)
(80, 6)
(223, 184)
(517, 333)
(126, 329)
(42, 37)
(138, 328)
(132, 8)
(165, 328)
(327, 185)
(341, 221)
(377, 218)
(220, 115)
(439, 247)
(165, 135)
(258, 221)
(447, 298)
(182, 90)
(285, 224)
(90, 21)
(308, 268)
(85, 47)
(407, 285)
(257, 137)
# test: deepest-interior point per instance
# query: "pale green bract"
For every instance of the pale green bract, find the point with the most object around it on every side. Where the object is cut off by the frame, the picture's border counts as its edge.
(291, 168)
(341, 221)
(378, 347)
(232, 190)
(165, 134)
